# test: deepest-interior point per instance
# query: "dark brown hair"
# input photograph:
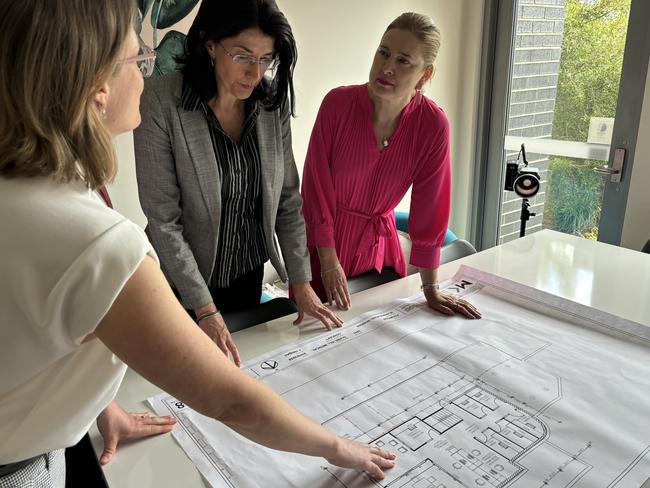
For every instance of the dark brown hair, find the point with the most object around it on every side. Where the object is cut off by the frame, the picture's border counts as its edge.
(218, 19)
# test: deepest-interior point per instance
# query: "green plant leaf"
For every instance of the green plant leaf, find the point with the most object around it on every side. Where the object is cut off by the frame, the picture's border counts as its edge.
(144, 5)
(172, 46)
(138, 23)
(166, 13)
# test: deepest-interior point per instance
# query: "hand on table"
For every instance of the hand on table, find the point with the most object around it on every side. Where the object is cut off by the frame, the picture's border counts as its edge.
(115, 425)
(215, 328)
(355, 455)
(336, 286)
(308, 303)
(449, 305)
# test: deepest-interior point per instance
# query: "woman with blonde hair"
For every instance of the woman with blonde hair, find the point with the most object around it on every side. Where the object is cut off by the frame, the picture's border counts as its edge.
(369, 144)
(82, 295)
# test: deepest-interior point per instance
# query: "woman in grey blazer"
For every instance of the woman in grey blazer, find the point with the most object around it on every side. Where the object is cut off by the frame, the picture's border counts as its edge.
(216, 173)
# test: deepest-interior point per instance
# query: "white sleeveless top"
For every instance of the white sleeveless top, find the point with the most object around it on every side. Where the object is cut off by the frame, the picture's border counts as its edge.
(64, 258)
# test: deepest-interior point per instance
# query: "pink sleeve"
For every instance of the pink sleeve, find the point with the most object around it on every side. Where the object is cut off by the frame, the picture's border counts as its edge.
(430, 201)
(319, 199)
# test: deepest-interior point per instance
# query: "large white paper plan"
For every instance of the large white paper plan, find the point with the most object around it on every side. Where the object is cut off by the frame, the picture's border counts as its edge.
(541, 392)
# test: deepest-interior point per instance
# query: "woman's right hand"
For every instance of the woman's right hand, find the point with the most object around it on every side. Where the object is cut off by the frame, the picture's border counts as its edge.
(204, 379)
(333, 278)
(215, 328)
(356, 455)
(336, 286)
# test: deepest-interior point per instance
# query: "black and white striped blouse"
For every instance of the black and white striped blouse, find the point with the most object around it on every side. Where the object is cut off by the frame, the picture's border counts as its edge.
(241, 244)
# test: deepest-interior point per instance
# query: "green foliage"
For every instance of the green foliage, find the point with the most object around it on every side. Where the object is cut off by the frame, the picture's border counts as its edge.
(590, 66)
(166, 13)
(143, 6)
(588, 84)
(170, 48)
(576, 196)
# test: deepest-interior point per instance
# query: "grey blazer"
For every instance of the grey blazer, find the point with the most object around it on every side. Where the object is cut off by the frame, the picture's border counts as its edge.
(180, 191)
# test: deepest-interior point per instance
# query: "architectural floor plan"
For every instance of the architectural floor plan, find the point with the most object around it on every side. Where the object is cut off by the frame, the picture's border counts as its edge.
(540, 392)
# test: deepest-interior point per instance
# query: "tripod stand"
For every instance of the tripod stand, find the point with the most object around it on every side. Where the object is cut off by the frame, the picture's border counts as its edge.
(525, 216)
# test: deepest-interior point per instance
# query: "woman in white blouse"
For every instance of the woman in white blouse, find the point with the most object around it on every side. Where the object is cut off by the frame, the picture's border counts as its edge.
(81, 291)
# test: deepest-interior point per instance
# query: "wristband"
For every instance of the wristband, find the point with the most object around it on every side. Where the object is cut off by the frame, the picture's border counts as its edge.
(205, 315)
(430, 286)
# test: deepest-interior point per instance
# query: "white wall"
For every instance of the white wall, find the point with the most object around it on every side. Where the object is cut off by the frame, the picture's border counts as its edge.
(124, 190)
(636, 229)
(336, 43)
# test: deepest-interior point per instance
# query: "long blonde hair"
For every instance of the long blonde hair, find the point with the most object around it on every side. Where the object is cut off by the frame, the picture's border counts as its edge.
(424, 29)
(54, 57)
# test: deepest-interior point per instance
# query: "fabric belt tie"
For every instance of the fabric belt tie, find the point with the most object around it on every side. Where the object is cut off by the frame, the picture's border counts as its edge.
(377, 227)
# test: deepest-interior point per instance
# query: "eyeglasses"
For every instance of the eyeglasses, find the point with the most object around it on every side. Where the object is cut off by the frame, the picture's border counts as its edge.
(145, 60)
(269, 63)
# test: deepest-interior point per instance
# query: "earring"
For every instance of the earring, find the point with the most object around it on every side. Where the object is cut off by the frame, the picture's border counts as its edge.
(102, 110)
(212, 62)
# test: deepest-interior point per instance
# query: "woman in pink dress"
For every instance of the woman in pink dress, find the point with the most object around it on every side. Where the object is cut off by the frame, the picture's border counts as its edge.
(369, 144)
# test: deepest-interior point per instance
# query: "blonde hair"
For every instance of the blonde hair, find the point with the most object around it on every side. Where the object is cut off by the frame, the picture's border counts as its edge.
(424, 29)
(54, 57)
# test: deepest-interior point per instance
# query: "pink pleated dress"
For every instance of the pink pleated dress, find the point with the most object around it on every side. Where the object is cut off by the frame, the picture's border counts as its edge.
(350, 188)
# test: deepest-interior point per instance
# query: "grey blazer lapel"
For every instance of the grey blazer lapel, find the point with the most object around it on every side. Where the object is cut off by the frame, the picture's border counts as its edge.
(269, 139)
(199, 144)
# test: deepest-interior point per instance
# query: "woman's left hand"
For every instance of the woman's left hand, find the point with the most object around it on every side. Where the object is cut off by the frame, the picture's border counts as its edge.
(449, 305)
(116, 425)
(308, 303)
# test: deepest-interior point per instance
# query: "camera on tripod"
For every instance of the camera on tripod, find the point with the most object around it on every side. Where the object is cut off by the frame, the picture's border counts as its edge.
(525, 182)
(521, 179)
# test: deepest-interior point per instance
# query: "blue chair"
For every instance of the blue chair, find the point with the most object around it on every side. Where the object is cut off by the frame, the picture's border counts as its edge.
(265, 297)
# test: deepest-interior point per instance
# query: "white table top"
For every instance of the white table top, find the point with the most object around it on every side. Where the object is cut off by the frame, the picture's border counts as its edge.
(609, 278)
